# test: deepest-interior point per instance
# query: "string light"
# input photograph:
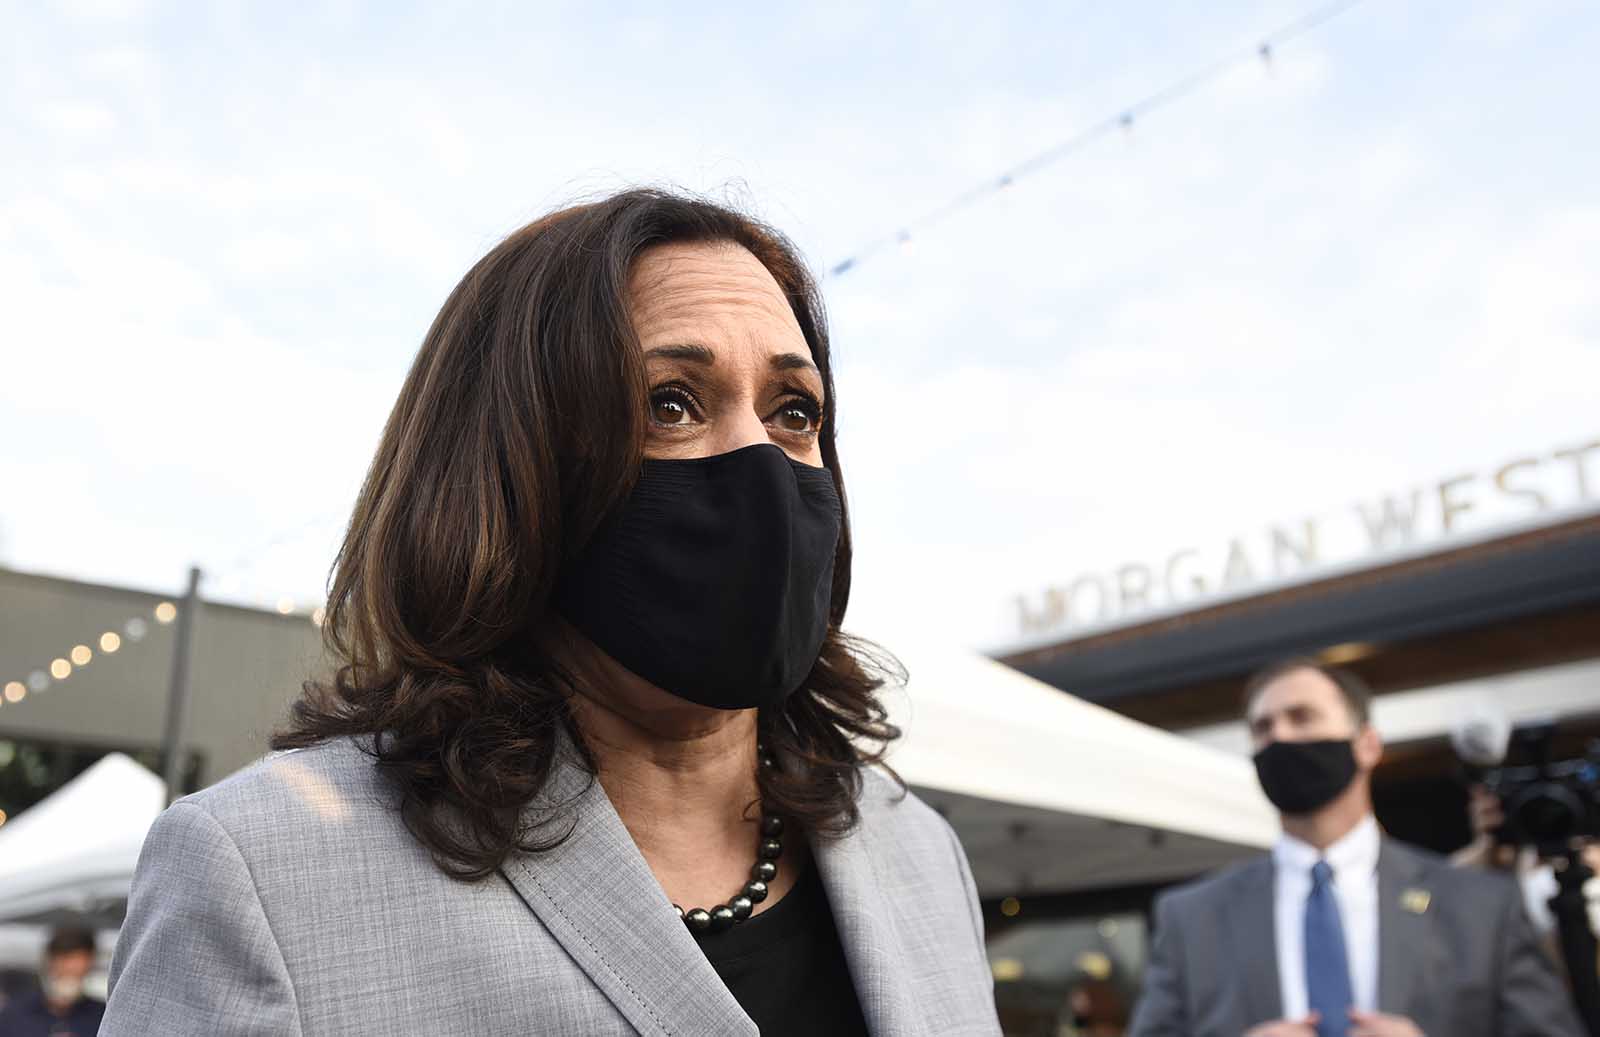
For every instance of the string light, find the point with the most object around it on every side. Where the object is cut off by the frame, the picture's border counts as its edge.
(1120, 121)
(81, 654)
(134, 630)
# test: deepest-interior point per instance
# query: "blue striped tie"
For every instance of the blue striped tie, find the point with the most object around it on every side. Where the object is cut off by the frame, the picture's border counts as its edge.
(1327, 965)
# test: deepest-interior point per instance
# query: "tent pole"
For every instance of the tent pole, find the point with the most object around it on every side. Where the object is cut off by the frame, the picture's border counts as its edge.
(178, 692)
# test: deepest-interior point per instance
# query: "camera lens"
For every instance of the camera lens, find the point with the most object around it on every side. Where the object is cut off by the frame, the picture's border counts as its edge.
(1546, 814)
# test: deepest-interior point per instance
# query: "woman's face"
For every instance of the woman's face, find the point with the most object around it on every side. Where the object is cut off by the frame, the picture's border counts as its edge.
(727, 364)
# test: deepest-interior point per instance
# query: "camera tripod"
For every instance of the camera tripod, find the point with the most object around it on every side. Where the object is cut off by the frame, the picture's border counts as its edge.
(1578, 944)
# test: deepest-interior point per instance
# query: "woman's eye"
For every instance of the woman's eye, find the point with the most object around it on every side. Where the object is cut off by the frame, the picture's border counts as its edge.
(794, 419)
(798, 416)
(670, 408)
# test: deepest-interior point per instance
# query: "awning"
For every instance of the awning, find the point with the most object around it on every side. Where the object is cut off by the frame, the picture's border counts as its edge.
(1051, 794)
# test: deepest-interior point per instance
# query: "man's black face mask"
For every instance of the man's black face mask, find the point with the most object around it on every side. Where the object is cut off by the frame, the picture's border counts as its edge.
(1304, 777)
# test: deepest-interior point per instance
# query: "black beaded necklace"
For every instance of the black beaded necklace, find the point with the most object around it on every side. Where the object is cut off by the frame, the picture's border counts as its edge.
(765, 869)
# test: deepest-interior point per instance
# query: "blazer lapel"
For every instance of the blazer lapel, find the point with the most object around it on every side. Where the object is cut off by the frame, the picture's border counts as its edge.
(863, 911)
(597, 897)
(1403, 904)
(1251, 916)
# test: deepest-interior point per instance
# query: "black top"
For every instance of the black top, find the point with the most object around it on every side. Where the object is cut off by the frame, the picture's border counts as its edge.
(28, 1017)
(786, 967)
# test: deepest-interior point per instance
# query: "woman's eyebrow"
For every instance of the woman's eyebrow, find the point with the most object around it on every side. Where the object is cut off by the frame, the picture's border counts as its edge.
(793, 362)
(701, 355)
(693, 354)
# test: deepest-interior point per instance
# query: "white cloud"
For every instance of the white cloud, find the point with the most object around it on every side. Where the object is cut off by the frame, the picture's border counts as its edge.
(103, 11)
(76, 118)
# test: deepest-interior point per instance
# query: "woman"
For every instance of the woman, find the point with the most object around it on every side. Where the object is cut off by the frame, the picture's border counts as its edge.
(597, 758)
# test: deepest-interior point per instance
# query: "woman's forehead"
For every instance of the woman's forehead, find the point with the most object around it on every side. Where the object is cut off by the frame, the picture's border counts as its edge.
(681, 287)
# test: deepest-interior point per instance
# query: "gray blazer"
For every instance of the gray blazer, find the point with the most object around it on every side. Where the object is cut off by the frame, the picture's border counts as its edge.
(290, 899)
(1456, 955)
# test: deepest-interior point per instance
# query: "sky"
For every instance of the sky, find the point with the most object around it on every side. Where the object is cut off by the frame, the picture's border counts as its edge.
(1364, 267)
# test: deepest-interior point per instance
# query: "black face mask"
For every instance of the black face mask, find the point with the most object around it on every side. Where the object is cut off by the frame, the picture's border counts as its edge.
(714, 580)
(1304, 777)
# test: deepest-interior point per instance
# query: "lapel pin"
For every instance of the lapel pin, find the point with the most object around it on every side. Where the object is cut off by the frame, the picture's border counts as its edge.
(1416, 901)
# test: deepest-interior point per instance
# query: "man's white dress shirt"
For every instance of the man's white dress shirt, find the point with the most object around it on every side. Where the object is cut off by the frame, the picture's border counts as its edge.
(1354, 860)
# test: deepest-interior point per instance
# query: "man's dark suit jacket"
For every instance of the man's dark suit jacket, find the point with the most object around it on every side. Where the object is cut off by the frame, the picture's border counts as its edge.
(1456, 955)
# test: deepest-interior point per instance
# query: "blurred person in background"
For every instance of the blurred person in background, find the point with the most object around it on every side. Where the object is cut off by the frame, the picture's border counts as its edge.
(1095, 1008)
(1537, 877)
(598, 758)
(59, 1008)
(1341, 931)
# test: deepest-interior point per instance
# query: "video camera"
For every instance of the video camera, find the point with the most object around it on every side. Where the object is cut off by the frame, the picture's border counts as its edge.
(1552, 806)
(1548, 803)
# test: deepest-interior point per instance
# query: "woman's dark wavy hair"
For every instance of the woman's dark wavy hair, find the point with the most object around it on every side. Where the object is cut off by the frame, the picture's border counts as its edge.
(519, 429)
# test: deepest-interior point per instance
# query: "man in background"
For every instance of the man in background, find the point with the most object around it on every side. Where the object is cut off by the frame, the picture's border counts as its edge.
(1341, 931)
(60, 1008)
(1537, 877)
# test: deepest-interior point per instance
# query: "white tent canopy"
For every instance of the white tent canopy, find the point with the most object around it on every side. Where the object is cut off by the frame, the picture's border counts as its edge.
(1051, 794)
(75, 850)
